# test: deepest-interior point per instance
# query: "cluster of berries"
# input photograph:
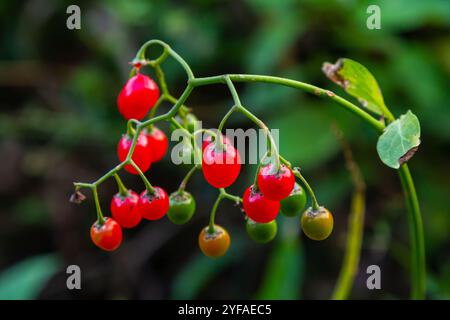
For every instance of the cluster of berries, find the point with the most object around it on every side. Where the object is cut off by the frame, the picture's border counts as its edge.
(274, 190)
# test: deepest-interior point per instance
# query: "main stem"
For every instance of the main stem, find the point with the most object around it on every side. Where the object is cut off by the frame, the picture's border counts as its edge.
(418, 265)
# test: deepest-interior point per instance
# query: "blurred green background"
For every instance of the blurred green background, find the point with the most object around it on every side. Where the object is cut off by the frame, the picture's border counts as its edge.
(59, 123)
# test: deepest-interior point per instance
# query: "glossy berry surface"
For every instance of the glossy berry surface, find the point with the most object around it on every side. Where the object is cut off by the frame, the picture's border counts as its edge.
(137, 97)
(317, 225)
(258, 208)
(214, 244)
(123, 209)
(221, 167)
(107, 236)
(182, 207)
(153, 206)
(261, 232)
(142, 154)
(276, 184)
(295, 203)
(158, 143)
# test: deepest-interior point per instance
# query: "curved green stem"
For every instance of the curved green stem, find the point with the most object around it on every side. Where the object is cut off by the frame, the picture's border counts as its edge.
(315, 204)
(148, 186)
(418, 266)
(212, 217)
(161, 80)
(222, 195)
(140, 55)
(123, 191)
(239, 107)
(100, 218)
(137, 132)
(285, 162)
(294, 84)
(186, 179)
(130, 129)
(273, 150)
(222, 125)
(231, 197)
(183, 109)
(197, 150)
(207, 131)
(234, 94)
(164, 90)
(183, 63)
(258, 168)
(155, 107)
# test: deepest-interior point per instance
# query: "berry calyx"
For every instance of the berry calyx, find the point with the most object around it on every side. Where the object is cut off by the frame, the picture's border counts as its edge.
(123, 209)
(261, 232)
(107, 236)
(295, 203)
(182, 207)
(137, 97)
(221, 167)
(142, 154)
(158, 143)
(153, 206)
(214, 244)
(257, 207)
(317, 224)
(276, 184)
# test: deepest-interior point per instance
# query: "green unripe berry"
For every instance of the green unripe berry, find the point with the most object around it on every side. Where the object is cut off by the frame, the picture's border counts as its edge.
(261, 232)
(182, 207)
(295, 203)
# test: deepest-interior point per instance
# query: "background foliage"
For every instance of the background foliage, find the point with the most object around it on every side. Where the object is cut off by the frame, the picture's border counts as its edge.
(59, 122)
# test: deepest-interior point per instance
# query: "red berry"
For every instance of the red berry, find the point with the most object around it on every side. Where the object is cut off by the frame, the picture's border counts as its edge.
(123, 209)
(276, 185)
(142, 154)
(137, 97)
(221, 167)
(158, 143)
(258, 208)
(209, 138)
(107, 236)
(153, 206)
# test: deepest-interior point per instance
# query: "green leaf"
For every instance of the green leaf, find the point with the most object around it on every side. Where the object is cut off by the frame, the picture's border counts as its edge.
(399, 141)
(26, 279)
(358, 82)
